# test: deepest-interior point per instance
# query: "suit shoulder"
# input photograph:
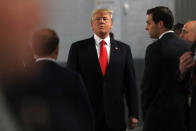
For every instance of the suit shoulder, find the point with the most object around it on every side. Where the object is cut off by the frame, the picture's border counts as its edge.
(81, 42)
(176, 42)
(122, 44)
(155, 44)
(184, 43)
(69, 73)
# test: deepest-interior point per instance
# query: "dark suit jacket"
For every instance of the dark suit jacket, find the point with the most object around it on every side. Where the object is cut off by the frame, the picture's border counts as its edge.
(163, 101)
(193, 110)
(107, 93)
(53, 99)
(187, 83)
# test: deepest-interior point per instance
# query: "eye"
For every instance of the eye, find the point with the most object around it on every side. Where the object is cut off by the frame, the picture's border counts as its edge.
(98, 19)
(105, 18)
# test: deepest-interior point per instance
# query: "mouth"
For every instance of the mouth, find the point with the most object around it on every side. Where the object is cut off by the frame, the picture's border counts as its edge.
(101, 27)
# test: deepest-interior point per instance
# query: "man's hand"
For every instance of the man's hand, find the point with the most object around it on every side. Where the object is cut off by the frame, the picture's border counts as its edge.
(132, 122)
(186, 62)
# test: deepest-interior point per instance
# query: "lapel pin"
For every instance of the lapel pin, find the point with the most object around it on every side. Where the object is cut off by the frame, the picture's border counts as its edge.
(116, 48)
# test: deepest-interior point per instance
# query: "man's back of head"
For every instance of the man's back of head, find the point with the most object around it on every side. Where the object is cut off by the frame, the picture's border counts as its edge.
(45, 43)
(161, 13)
(159, 20)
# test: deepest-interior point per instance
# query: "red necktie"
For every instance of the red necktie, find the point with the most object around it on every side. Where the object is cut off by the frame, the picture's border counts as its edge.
(103, 59)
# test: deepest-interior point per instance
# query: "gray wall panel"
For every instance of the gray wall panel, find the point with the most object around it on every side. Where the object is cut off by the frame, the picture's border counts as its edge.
(185, 10)
(133, 29)
(71, 20)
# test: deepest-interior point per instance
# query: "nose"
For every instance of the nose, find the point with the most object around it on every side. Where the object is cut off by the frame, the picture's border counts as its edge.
(101, 20)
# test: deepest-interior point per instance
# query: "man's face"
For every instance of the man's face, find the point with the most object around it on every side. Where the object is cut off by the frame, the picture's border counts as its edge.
(101, 24)
(187, 33)
(151, 27)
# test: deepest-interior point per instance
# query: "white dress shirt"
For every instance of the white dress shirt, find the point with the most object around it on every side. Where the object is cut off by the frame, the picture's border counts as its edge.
(47, 59)
(98, 45)
(170, 31)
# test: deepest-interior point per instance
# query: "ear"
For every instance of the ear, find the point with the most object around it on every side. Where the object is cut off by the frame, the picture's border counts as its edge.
(112, 23)
(161, 24)
(56, 50)
(91, 24)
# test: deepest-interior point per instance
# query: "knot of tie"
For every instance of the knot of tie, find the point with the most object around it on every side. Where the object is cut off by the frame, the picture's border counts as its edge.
(103, 42)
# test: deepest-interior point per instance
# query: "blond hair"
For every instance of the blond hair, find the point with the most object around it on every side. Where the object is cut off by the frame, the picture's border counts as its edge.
(102, 10)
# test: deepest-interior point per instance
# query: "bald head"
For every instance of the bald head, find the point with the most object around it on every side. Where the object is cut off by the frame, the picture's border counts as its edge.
(189, 32)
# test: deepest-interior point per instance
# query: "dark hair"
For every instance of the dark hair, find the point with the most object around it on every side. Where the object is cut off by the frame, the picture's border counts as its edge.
(177, 28)
(44, 42)
(162, 13)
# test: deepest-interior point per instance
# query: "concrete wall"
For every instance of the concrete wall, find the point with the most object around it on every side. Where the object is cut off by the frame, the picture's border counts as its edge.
(71, 20)
(185, 10)
(133, 24)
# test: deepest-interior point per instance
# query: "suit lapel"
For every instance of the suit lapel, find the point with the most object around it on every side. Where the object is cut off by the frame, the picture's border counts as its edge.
(94, 61)
(113, 54)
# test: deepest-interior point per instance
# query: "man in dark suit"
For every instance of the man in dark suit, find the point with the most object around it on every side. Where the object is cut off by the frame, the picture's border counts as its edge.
(163, 101)
(187, 71)
(106, 66)
(53, 98)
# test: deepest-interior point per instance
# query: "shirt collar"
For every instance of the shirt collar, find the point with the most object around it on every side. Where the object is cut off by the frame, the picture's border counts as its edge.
(170, 31)
(98, 39)
(45, 59)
